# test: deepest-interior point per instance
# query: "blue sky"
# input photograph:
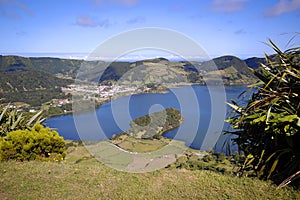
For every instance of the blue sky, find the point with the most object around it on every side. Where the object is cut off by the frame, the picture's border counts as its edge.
(76, 27)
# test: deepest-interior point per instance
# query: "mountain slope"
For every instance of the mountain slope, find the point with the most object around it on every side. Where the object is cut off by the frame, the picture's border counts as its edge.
(31, 87)
(66, 67)
(232, 70)
(254, 62)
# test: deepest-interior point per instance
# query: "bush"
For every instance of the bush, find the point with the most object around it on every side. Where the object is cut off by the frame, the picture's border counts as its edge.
(38, 143)
(268, 127)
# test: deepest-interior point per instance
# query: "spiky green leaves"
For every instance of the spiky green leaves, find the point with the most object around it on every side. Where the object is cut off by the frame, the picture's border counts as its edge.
(270, 122)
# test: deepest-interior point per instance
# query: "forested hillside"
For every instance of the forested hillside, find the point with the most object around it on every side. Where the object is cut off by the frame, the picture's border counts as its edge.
(30, 87)
(50, 65)
(35, 80)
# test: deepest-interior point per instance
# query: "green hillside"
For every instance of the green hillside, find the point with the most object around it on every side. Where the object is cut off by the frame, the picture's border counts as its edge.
(115, 71)
(31, 87)
(254, 62)
(233, 71)
(34, 80)
(82, 177)
(50, 65)
(229, 61)
(14, 63)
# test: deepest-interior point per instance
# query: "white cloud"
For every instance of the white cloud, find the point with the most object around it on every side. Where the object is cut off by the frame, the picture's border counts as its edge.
(283, 6)
(87, 21)
(228, 6)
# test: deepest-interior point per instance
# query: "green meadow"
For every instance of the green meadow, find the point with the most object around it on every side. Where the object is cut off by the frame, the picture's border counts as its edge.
(82, 176)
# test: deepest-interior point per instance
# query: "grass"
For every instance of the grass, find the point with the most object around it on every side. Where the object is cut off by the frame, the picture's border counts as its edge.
(140, 145)
(83, 177)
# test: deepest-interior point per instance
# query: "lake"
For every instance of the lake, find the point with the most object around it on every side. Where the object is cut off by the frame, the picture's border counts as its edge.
(114, 117)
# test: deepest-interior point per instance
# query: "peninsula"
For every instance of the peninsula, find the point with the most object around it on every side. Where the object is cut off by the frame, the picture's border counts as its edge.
(146, 132)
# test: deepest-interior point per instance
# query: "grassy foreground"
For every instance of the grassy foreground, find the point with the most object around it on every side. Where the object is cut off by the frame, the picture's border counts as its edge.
(83, 177)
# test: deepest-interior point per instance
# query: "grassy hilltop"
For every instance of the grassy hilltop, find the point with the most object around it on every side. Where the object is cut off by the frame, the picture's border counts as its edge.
(83, 177)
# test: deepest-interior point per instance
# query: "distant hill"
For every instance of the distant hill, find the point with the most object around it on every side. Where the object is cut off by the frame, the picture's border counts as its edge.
(53, 66)
(232, 70)
(33, 80)
(115, 71)
(38, 77)
(224, 62)
(254, 62)
(29, 80)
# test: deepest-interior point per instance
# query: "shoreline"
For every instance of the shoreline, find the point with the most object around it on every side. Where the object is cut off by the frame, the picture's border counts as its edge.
(154, 92)
(160, 91)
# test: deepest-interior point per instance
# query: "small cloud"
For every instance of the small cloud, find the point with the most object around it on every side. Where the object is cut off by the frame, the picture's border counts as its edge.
(228, 6)
(11, 9)
(283, 6)
(240, 31)
(87, 21)
(136, 20)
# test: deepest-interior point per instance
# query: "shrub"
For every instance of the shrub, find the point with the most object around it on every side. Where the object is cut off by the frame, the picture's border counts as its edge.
(268, 127)
(38, 143)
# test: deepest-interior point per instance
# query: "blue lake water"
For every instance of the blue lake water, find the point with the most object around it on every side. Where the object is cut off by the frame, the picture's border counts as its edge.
(113, 117)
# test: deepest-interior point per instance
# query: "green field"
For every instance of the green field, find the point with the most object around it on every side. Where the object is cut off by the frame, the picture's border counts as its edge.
(140, 145)
(83, 177)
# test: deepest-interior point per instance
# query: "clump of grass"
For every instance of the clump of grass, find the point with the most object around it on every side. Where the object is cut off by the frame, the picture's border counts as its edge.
(213, 161)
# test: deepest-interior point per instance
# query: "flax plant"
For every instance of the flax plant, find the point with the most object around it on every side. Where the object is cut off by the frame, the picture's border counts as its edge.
(268, 127)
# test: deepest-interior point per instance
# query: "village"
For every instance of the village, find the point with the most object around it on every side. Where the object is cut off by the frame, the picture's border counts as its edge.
(98, 93)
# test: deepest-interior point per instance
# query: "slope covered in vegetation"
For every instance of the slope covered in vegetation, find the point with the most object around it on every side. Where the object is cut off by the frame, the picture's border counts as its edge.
(31, 87)
(82, 177)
